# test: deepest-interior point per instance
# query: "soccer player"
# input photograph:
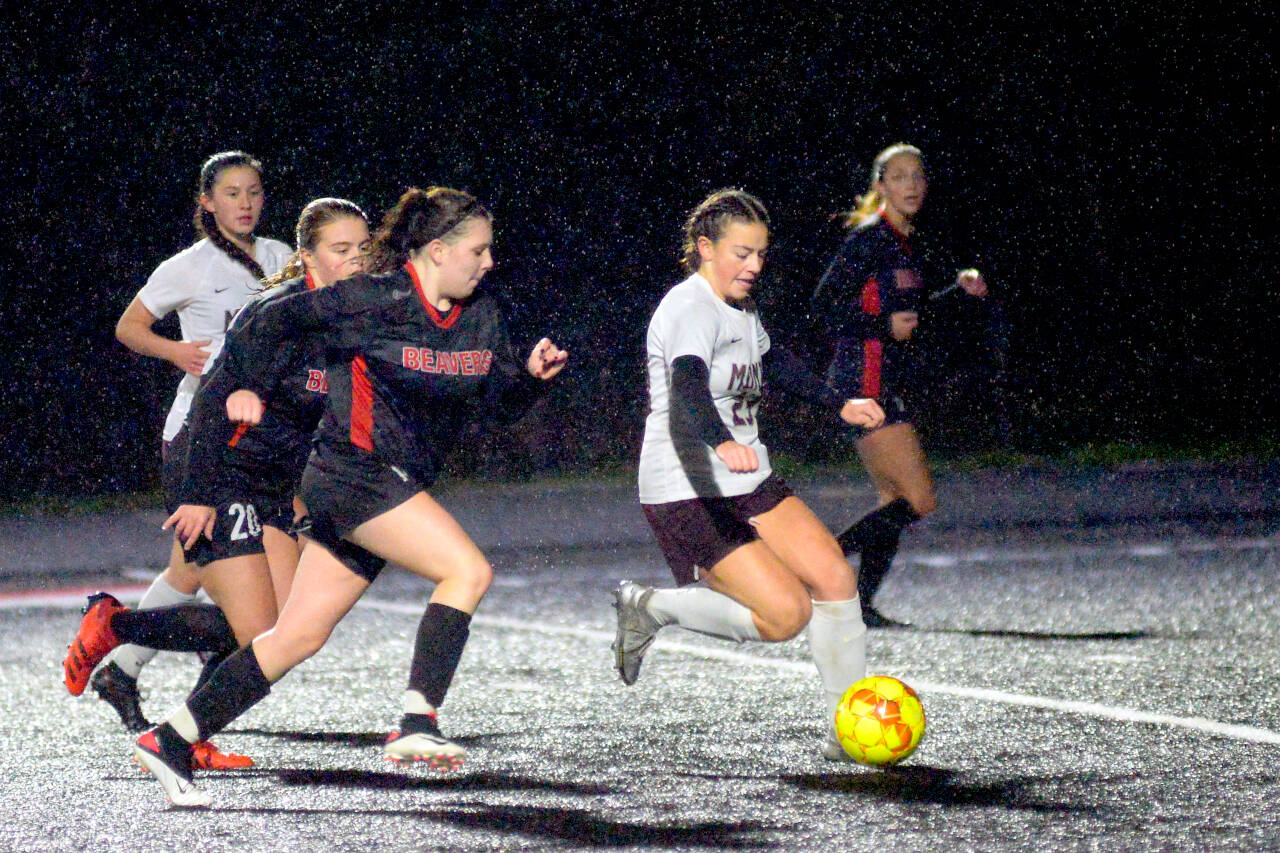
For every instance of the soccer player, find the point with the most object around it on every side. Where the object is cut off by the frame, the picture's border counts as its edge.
(768, 566)
(415, 351)
(205, 284)
(872, 299)
(237, 500)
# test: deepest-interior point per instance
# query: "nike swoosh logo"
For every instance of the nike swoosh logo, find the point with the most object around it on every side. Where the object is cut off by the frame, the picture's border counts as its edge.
(222, 289)
(734, 340)
(401, 294)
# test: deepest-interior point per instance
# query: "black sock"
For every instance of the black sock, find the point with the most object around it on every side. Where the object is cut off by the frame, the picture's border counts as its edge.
(442, 633)
(174, 749)
(178, 628)
(877, 557)
(216, 659)
(234, 688)
(878, 525)
(418, 723)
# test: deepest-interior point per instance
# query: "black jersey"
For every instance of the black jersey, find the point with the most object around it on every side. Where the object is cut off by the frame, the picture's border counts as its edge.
(403, 379)
(877, 272)
(289, 376)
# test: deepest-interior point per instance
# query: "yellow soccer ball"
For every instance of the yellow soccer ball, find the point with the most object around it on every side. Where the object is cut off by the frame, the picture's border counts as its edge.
(879, 721)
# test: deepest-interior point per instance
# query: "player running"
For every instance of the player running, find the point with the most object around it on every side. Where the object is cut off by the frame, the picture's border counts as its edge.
(769, 566)
(414, 352)
(238, 497)
(205, 284)
(872, 298)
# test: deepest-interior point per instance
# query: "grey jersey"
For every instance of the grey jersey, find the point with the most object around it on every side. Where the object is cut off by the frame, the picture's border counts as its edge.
(693, 320)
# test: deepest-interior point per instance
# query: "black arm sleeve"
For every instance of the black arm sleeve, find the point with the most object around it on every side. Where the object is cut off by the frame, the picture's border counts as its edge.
(693, 414)
(783, 369)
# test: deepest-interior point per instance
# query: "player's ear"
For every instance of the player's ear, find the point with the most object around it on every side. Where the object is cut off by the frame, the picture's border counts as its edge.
(206, 202)
(705, 247)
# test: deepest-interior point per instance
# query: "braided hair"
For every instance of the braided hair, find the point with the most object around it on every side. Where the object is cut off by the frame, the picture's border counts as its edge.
(206, 224)
(710, 219)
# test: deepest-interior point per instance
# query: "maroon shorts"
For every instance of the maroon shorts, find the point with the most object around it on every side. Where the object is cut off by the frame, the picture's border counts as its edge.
(700, 532)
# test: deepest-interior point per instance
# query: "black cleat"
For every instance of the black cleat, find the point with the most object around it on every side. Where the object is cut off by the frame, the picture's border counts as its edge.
(115, 687)
(873, 618)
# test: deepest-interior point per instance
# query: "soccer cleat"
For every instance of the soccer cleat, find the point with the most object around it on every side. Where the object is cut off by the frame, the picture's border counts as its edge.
(172, 767)
(873, 618)
(636, 629)
(119, 690)
(92, 643)
(430, 746)
(206, 756)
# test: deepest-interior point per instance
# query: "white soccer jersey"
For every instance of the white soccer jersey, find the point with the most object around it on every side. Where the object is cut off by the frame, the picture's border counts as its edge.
(206, 287)
(692, 320)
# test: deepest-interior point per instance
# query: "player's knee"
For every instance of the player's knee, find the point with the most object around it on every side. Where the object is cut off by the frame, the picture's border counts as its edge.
(475, 576)
(785, 619)
(923, 503)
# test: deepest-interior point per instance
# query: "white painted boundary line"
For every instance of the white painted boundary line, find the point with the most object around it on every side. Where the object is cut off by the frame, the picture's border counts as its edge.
(1252, 734)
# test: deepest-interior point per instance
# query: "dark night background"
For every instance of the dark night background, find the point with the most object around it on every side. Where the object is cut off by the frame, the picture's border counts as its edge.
(1109, 166)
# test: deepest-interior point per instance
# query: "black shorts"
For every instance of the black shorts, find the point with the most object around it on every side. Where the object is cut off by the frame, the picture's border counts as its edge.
(237, 530)
(700, 532)
(344, 489)
(173, 467)
(364, 563)
(897, 410)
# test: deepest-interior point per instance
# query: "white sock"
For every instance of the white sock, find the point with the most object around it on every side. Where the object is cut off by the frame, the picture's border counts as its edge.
(416, 703)
(705, 611)
(838, 643)
(184, 724)
(133, 658)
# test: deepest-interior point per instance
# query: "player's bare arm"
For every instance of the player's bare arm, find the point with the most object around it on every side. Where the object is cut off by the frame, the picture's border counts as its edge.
(133, 329)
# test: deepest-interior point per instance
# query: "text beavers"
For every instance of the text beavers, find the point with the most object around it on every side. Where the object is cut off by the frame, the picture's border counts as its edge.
(465, 363)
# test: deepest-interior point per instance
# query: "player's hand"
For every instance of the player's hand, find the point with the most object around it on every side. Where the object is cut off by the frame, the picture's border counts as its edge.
(862, 412)
(245, 407)
(972, 282)
(740, 458)
(902, 324)
(190, 521)
(190, 356)
(546, 360)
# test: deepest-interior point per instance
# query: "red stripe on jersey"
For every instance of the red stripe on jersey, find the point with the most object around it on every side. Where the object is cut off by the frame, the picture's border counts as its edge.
(872, 367)
(871, 296)
(241, 429)
(361, 404)
(444, 321)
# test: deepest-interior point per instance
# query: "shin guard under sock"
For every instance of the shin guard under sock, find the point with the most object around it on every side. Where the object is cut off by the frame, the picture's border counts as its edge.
(176, 628)
(888, 520)
(838, 643)
(234, 688)
(442, 634)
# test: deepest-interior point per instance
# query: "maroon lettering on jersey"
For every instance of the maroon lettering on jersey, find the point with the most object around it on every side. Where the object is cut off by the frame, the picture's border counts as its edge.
(465, 363)
(317, 381)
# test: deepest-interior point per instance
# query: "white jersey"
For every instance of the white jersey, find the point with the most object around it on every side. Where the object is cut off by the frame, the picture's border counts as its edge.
(206, 287)
(692, 320)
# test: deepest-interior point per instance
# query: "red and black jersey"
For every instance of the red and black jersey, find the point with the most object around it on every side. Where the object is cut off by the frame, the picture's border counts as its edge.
(878, 271)
(289, 376)
(403, 378)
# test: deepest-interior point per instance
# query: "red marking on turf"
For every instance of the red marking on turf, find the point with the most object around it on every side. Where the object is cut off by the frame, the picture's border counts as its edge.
(66, 596)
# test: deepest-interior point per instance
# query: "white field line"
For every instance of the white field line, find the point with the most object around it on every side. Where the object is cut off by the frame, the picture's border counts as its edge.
(1091, 709)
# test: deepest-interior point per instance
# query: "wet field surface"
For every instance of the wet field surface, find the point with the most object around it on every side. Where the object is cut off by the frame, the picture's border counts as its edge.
(1095, 650)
